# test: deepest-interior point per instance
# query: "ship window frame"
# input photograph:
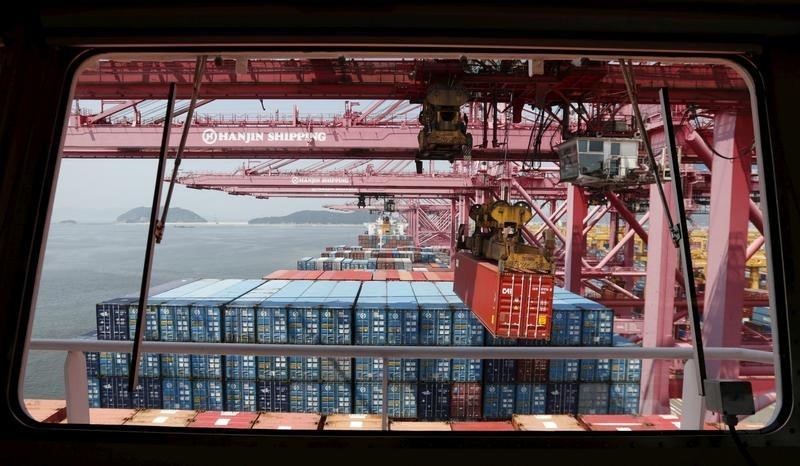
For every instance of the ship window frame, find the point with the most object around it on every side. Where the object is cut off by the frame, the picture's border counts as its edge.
(762, 151)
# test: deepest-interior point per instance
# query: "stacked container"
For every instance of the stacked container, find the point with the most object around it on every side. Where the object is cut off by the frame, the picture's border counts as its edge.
(330, 312)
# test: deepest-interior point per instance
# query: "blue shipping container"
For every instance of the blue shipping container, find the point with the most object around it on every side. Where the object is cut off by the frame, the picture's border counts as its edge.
(498, 401)
(626, 370)
(402, 327)
(370, 324)
(206, 321)
(335, 398)
(336, 369)
(177, 393)
(624, 398)
(434, 370)
(240, 367)
(304, 323)
(435, 325)
(304, 368)
(207, 395)
(369, 369)
(531, 398)
(304, 397)
(93, 389)
(335, 326)
(118, 365)
(467, 329)
(491, 340)
(564, 370)
(466, 370)
(175, 321)
(368, 398)
(403, 370)
(240, 323)
(593, 398)
(595, 370)
(272, 323)
(207, 366)
(403, 400)
(567, 326)
(598, 327)
(272, 368)
(240, 395)
(176, 365)
(151, 322)
(92, 363)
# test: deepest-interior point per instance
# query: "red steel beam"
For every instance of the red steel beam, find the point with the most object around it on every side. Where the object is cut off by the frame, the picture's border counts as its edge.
(315, 142)
(696, 142)
(406, 80)
(613, 252)
(727, 238)
(679, 304)
(627, 215)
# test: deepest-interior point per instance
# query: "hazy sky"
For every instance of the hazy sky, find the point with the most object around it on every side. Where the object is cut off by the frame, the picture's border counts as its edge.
(99, 190)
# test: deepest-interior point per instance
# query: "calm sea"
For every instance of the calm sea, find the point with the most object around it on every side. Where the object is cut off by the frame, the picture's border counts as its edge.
(89, 263)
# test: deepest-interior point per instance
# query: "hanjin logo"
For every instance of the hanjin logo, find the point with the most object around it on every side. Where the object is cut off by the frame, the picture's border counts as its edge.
(209, 136)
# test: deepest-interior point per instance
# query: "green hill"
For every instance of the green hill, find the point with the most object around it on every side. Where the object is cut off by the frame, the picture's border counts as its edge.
(176, 214)
(319, 216)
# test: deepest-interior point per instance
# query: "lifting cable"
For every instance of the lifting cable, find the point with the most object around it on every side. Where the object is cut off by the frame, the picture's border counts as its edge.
(156, 227)
(679, 232)
(627, 73)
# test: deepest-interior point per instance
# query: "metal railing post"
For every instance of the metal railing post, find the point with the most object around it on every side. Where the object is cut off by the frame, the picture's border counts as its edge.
(693, 410)
(385, 411)
(76, 385)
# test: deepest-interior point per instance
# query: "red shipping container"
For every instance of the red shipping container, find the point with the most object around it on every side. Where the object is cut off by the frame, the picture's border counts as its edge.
(546, 422)
(482, 426)
(624, 423)
(345, 275)
(465, 400)
(663, 421)
(418, 277)
(287, 421)
(224, 419)
(509, 304)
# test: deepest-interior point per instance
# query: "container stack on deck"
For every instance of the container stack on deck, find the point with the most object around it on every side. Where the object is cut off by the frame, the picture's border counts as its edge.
(359, 258)
(331, 312)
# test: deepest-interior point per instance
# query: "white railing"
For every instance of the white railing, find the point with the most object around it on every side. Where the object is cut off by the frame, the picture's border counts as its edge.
(76, 382)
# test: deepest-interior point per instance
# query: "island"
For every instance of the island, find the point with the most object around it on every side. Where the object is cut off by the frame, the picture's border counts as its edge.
(176, 215)
(68, 222)
(319, 216)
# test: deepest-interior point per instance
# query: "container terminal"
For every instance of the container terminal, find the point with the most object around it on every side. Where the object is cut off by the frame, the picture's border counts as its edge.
(538, 216)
